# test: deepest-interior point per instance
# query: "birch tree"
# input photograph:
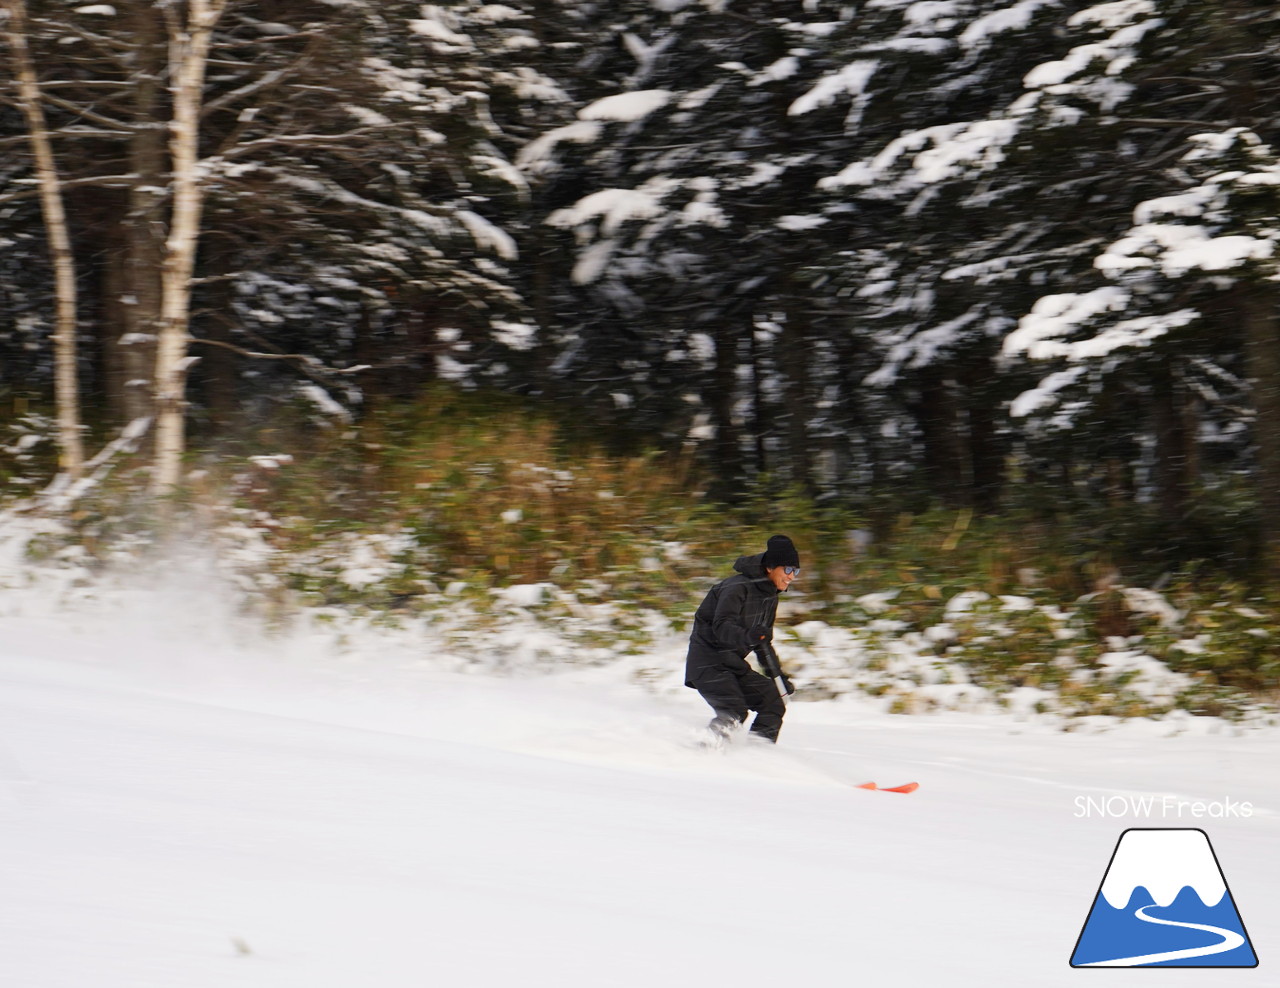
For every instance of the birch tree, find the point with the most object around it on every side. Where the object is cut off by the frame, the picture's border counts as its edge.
(190, 33)
(67, 389)
(202, 143)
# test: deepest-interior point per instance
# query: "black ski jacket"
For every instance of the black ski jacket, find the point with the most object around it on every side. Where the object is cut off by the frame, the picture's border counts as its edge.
(746, 600)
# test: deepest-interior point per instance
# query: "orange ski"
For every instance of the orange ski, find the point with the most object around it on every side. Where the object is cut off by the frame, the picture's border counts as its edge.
(905, 787)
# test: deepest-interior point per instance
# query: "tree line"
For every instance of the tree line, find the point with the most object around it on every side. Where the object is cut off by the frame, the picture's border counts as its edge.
(938, 251)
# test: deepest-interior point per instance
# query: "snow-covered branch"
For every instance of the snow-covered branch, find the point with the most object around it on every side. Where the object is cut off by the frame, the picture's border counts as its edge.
(65, 489)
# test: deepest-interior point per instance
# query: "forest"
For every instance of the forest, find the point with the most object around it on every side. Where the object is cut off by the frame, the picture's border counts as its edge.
(1003, 259)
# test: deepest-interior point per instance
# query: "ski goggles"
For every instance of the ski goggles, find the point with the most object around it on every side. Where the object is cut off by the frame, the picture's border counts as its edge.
(791, 570)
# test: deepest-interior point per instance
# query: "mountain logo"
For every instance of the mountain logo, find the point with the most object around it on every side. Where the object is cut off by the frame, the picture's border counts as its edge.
(1163, 902)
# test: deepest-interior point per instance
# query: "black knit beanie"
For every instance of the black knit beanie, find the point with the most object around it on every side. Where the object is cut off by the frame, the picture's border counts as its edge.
(781, 551)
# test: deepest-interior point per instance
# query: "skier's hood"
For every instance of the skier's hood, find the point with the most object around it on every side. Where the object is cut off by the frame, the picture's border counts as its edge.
(752, 567)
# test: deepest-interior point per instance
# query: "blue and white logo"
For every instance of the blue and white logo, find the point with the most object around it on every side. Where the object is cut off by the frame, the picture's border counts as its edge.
(1164, 903)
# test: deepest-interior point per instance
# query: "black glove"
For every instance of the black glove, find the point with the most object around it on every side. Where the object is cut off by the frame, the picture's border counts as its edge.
(759, 633)
(768, 658)
(763, 648)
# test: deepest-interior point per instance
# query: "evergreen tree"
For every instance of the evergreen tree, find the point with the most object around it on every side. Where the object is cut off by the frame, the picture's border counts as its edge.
(1176, 326)
(695, 212)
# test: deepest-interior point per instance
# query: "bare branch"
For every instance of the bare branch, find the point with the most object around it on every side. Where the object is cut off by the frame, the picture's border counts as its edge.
(1190, 79)
(268, 81)
(86, 113)
(117, 50)
(306, 140)
(1165, 122)
(103, 181)
(67, 132)
(266, 39)
(312, 365)
(120, 87)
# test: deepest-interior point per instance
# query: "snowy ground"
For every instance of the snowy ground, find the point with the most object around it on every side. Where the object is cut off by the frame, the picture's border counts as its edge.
(185, 804)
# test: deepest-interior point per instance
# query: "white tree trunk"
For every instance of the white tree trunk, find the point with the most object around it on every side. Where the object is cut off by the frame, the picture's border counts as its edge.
(189, 38)
(66, 384)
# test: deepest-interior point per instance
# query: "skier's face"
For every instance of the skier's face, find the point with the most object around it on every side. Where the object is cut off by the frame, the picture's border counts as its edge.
(780, 577)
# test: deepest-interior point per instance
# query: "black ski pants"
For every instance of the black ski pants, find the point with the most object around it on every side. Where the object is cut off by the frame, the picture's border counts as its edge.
(732, 694)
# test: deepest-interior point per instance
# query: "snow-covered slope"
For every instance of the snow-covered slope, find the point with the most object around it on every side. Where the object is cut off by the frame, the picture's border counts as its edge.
(185, 805)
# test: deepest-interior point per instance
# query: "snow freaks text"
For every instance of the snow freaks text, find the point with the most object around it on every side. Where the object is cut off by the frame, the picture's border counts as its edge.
(1163, 807)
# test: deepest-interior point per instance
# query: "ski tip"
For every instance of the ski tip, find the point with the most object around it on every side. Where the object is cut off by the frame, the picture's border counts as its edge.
(905, 787)
(865, 785)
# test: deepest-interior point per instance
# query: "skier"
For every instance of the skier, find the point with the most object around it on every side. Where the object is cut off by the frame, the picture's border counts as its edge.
(734, 619)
